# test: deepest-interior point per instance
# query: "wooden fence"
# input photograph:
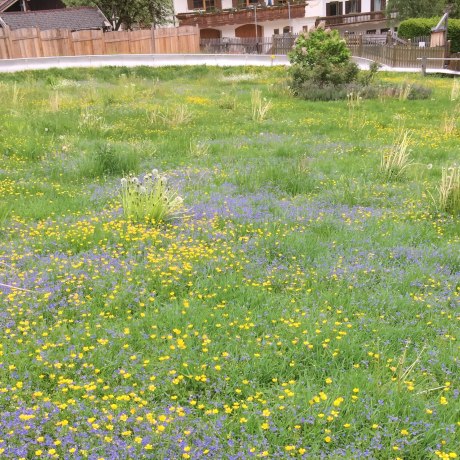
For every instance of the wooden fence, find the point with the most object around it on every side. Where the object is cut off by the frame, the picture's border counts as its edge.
(30, 43)
(399, 56)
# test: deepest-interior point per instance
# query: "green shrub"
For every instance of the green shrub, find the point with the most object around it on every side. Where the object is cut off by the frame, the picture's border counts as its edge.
(323, 58)
(418, 27)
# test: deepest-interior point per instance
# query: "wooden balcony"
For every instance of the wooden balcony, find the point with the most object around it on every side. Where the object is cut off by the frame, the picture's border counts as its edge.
(241, 16)
(354, 18)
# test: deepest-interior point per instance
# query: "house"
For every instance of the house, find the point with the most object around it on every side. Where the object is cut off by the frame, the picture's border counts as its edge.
(264, 18)
(29, 5)
(81, 18)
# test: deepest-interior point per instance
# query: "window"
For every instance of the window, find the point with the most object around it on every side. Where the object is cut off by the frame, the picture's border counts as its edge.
(305, 28)
(378, 5)
(353, 6)
(334, 9)
(371, 32)
(276, 32)
(204, 4)
(287, 30)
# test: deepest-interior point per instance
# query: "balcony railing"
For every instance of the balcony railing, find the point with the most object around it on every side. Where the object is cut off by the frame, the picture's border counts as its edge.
(354, 18)
(242, 16)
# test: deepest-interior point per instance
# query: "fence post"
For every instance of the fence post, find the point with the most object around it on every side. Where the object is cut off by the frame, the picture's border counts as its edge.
(424, 66)
(360, 45)
(448, 47)
(393, 56)
(153, 40)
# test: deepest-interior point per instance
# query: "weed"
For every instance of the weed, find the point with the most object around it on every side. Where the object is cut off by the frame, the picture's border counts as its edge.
(396, 160)
(227, 102)
(107, 159)
(259, 106)
(198, 149)
(170, 117)
(4, 213)
(150, 199)
(354, 104)
(55, 101)
(91, 122)
(455, 91)
(16, 95)
(449, 191)
(404, 91)
(449, 125)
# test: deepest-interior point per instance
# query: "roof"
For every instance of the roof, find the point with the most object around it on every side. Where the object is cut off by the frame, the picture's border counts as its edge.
(4, 4)
(82, 18)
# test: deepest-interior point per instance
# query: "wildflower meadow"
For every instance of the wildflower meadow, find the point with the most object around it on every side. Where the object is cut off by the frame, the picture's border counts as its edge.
(194, 264)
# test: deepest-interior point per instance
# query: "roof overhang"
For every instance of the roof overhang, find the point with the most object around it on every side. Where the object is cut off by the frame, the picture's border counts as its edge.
(5, 4)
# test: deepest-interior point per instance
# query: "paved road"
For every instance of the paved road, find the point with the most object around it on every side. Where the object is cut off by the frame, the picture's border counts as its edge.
(158, 60)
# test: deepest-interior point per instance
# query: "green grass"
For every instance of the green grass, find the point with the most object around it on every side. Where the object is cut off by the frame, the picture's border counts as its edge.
(304, 306)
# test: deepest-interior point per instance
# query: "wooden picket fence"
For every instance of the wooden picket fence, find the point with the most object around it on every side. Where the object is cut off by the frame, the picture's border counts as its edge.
(33, 42)
(400, 56)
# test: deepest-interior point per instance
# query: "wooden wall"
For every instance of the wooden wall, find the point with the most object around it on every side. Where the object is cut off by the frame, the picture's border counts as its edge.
(28, 43)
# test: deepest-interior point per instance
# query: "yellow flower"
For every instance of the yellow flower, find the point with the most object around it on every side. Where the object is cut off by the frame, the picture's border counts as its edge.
(338, 401)
(327, 439)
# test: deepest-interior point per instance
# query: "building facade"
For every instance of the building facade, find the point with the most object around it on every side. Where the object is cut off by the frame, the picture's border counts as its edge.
(264, 18)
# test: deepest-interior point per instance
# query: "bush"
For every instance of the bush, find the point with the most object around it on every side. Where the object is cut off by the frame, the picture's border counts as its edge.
(321, 57)
(319, 46)
(417, 27)
(149, 199)
(312, 91)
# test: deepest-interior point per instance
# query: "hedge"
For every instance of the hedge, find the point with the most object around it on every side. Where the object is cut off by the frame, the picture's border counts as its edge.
(418, 27)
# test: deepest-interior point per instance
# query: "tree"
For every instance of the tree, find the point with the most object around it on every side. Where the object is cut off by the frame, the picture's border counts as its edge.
(131, 12)
(422, 8)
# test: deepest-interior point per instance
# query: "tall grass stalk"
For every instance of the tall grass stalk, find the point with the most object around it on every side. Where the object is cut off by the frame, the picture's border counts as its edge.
(404, 91)
(172, 117)
(198, 149)
(55, 101)
(16, 95)
(450, 122)
(455, 92)
(394, 162)
(354, 104)
(449, 190)
(259, 106)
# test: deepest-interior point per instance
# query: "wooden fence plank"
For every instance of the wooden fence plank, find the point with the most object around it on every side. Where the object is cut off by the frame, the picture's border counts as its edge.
(6, 51)
(88, 42)
(140, 41)
(117, 42)
(56, 42)
(26, 43)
